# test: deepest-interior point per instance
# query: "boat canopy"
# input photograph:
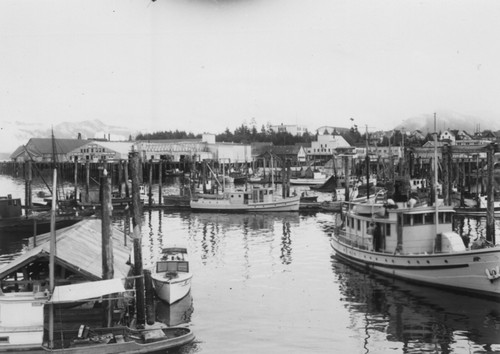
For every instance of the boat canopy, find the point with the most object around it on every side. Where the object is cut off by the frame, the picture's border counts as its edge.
(86, 290)
(174, 250)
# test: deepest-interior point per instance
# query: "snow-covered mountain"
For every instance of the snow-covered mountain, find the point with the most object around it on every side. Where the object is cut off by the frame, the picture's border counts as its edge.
(446, 120)
(14, 134)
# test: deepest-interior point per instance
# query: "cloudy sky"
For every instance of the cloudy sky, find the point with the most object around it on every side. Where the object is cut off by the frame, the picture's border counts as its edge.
(204, 65)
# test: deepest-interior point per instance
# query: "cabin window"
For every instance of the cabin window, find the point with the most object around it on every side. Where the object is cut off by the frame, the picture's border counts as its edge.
(406, 219)
(388, 230)
(445, 218)
(429, 218)
(4, 339)
(359, 225)
(418, 219)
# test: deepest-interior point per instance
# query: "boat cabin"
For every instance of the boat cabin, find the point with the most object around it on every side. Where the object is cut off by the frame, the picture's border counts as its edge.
(10, 207)
(173, 260)
(402, 230)
(256, 195)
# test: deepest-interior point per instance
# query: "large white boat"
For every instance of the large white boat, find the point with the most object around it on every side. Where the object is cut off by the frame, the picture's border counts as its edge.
(256, 200)
(417, 244)
(171, 277)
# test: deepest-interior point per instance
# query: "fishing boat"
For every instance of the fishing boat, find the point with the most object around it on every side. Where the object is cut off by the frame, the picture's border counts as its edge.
(12, 219)
(26, 333)
(258, 199)
(171, 276)
(317, 179)
(417, 244)
(477, 206)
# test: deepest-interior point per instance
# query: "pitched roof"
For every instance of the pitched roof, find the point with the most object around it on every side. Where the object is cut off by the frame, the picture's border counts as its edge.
(286, 150)
(79, 249)
(41, 146)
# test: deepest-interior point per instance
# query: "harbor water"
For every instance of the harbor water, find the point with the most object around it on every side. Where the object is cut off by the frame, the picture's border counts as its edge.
(270, 283)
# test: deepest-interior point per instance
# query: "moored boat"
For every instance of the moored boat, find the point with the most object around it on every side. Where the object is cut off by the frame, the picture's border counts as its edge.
(317, 179)
(255, 200)
(171, 276)
(12, 218)
(26, 333)
(477, 207)
(417, 244)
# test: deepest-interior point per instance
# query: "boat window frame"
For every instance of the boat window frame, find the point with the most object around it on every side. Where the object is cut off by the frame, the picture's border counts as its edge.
(429, 218)
(418, 219)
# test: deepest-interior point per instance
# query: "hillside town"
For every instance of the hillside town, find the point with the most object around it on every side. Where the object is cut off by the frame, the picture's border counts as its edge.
(326, 142)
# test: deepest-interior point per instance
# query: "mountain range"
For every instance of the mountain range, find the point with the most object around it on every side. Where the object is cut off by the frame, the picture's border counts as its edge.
(447, 120)
(14, 134)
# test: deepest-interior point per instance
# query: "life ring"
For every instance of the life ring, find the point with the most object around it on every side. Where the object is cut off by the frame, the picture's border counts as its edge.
(494, 273)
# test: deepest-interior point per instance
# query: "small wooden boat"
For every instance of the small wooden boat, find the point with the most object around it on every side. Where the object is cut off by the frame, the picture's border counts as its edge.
(171, 276)
(331, 206)
(255, 200)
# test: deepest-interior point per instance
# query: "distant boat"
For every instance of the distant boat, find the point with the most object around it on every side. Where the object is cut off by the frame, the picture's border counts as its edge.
(171, 276)
(477, 207)
(317, 179)
(255, 200)
(174, 173)
(12, 219)
(238, 177)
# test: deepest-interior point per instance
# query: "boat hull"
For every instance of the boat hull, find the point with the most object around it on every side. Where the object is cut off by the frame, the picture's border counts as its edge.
(172, 290)
(289, 204)
(136, 341)
(308, 181)
(463, 271)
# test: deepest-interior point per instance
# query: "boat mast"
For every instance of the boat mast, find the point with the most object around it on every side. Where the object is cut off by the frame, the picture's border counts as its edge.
(367, 160)
(272, 172)
(435, 178)
(52, 257)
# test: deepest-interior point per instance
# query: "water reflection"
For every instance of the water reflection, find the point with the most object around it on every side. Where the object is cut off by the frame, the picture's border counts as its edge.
(175, 314)
(421, 318)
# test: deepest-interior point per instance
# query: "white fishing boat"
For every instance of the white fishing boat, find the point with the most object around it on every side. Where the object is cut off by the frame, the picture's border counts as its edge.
(171, 276)
(407, 243)
(418, 244)
(259, 199)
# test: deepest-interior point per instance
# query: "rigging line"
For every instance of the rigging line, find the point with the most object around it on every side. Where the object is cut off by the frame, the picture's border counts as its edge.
(36, 168)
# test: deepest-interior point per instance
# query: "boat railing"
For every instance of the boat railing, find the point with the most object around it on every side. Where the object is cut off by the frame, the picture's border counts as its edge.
(354, 240)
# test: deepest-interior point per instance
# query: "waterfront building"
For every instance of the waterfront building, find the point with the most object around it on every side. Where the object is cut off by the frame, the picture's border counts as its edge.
(45, 149)
(97, 151)
(296, 130)
(326, 145)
